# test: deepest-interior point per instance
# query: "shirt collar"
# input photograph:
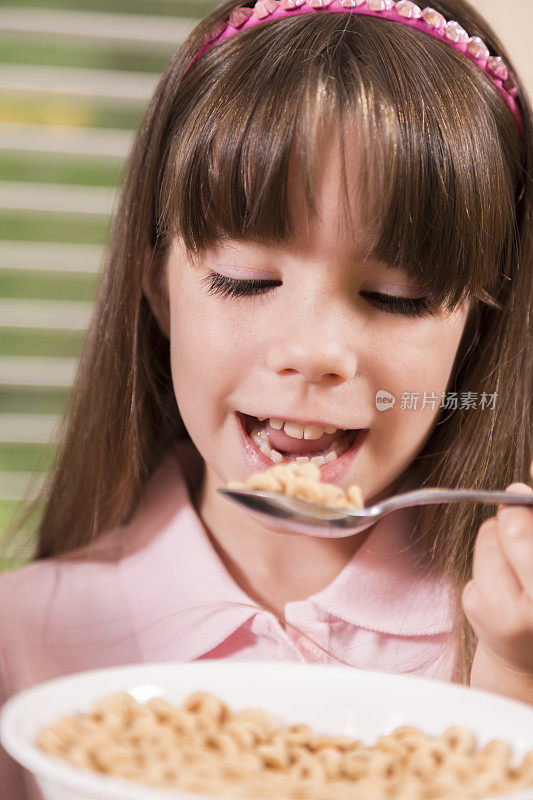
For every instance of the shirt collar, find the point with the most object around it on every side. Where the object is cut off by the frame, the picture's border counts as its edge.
(178, 589)
(385, 588)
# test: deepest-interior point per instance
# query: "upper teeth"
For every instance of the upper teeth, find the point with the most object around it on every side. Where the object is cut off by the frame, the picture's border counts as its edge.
(299, 431)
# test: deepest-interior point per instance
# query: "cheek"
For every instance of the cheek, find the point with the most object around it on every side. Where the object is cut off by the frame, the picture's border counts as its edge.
(415, 367)
(420, 357)
(207, 351)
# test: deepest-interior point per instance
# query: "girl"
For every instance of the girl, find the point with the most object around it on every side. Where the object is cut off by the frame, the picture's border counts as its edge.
(320, 210)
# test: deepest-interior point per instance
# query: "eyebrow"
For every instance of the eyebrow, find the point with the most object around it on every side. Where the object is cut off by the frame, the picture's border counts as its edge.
(360, 253)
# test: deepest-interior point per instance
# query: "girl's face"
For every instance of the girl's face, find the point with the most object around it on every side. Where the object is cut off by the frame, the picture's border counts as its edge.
(315, 347)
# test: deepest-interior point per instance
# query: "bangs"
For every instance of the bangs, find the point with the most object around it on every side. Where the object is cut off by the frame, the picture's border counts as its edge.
(435, 191)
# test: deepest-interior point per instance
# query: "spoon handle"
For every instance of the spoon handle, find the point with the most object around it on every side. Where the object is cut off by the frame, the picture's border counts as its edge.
(423, 497)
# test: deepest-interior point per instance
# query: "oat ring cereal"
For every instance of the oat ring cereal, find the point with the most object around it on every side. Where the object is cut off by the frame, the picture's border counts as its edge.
(302, 482)
(204, 746)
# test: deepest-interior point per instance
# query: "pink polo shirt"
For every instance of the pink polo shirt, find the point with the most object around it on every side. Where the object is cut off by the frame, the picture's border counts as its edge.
(156, 590)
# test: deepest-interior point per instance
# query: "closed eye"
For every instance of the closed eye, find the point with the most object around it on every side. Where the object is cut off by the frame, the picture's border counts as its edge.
(409, 306)
(231, 287)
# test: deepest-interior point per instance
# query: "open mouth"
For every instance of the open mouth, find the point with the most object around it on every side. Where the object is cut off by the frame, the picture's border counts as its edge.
(321, 451)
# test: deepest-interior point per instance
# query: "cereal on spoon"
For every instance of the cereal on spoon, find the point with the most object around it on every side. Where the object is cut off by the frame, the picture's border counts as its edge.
(302, 482)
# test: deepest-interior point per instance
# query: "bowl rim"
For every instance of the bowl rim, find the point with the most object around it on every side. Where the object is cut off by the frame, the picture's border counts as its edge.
(47, 767)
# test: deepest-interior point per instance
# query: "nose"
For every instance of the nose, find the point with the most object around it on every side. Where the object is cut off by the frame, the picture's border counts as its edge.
(314, 360)
(317, 337)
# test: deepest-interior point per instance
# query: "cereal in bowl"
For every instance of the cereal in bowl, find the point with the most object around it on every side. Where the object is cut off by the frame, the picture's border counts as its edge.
(301, 481)
(204, 746)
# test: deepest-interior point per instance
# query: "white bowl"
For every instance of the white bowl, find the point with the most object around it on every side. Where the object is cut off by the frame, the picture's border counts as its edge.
(333, 700)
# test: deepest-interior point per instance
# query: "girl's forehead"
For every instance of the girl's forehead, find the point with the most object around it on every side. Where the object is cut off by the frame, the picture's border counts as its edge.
(334, 222)
(339, 208)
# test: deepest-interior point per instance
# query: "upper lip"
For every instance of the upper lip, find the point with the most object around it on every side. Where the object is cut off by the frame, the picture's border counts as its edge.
(303, 422)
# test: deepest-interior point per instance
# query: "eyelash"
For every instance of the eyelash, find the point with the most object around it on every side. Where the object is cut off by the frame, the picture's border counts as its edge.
(231, 287)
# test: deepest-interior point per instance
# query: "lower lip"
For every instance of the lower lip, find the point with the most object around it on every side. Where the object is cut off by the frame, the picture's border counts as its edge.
(329, 473)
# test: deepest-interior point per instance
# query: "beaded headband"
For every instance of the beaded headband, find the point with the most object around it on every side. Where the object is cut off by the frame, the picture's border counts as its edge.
(427, 20)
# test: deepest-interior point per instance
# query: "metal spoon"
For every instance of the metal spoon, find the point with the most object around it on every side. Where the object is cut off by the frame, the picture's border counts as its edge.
(333, 523)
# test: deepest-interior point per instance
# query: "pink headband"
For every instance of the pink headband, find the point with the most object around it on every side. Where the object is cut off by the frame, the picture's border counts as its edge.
(427, 20)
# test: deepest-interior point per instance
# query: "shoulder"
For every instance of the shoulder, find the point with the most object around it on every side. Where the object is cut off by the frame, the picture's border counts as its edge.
(74, 611)
(58, 584)
(20, 587)
(58, 616)
(78, 577)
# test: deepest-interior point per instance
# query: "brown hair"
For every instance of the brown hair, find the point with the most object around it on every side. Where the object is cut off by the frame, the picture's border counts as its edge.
(450, 202)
